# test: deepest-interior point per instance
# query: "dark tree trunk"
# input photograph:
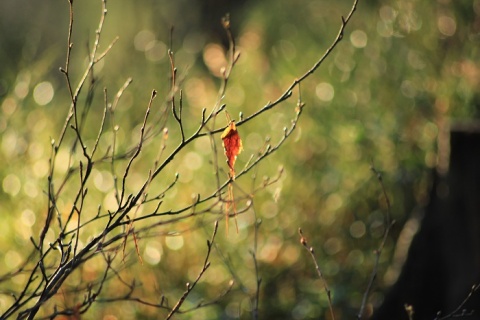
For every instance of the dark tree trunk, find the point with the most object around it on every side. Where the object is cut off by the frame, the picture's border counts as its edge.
(443, 261)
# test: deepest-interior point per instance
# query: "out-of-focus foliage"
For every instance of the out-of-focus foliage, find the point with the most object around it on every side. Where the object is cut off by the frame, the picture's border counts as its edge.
(383, 97)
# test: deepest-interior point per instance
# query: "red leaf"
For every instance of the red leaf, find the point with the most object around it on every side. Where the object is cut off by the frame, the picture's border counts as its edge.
(232, 145)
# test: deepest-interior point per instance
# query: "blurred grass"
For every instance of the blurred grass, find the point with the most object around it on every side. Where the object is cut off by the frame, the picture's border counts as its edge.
(402, 72)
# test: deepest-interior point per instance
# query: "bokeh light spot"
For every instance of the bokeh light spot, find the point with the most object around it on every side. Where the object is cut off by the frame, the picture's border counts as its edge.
(11, 184)
(269, 209)
(358, 38)
(387, 14)
(446, 25)
(142, 39)
(214, 58)
(325, 91)
(9, 106)
(28, 218)
(333, 245)
(358, 229)
(43, 93)
(355, 257)
(193, 160)
(21, 89)
(12, 258)
(102, 180)
(174, 242)
(153, 252)
(31, 189)
(155, 51)
(334, 202)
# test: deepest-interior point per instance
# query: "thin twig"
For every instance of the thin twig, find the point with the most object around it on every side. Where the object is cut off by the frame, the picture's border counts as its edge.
(190, 286)
(460, 312)
(310, 250)
(258, 279)
(388, 226)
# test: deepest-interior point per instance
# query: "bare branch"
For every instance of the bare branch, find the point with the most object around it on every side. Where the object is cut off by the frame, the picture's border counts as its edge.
(310, 250)
(206, 265)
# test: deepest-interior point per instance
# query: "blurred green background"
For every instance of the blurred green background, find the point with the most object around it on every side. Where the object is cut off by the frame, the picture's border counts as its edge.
(383, 97)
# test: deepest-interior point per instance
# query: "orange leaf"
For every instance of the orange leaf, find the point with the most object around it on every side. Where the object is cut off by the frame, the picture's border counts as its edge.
(232, 145)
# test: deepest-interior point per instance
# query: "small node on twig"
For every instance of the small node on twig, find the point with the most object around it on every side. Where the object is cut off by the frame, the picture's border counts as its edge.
(226, 21)
(220, 109)
(299, 107)
(409, 310)
(303, 240)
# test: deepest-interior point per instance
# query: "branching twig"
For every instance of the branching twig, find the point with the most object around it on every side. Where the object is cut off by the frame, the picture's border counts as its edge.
(50, 271)
(310, 250)
(460, 312)
(288, 92)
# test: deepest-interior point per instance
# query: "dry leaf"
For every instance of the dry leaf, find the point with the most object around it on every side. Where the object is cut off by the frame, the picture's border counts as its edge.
(232, 145)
